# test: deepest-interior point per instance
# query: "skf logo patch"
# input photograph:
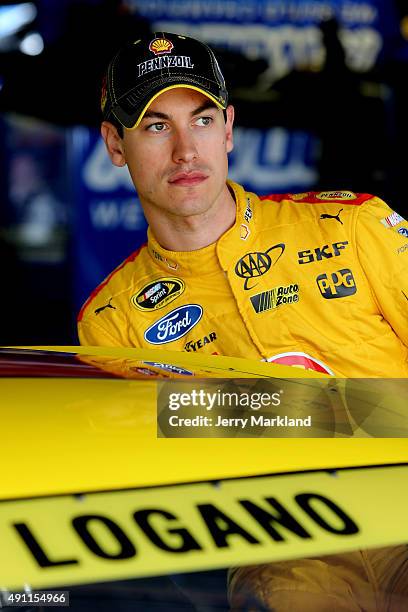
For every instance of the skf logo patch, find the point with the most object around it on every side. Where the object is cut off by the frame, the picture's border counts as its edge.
(197, 344)
(160, 46)
(392, 220)
(267, 300)
(337, 284)
(324, 252)
(257, 264)
(158, 294)
(336, 195)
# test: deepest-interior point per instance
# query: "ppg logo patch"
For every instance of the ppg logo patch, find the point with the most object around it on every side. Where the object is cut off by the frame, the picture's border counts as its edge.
(337, 284)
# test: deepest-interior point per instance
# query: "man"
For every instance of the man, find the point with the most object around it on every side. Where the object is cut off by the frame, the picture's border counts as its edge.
(316, 280)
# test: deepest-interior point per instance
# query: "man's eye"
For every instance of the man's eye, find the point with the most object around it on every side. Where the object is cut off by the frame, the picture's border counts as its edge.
(203, 121)
(157, 127)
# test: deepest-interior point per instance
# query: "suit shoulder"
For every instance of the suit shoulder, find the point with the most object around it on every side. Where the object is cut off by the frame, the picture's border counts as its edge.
(113, 284)
(321, 197)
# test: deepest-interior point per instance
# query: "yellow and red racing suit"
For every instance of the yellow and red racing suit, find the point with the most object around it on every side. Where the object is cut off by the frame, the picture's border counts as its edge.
(317, 280)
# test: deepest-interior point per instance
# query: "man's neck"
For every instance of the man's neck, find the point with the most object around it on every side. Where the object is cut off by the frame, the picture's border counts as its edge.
(177, 233)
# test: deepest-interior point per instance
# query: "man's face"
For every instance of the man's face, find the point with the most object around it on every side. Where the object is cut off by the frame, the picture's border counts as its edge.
(177, 156)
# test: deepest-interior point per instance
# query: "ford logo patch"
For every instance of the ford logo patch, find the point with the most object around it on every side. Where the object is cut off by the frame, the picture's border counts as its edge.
(174, 325)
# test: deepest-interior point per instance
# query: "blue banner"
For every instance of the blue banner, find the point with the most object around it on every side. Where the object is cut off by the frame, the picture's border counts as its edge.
(284, 32)
(109, 222)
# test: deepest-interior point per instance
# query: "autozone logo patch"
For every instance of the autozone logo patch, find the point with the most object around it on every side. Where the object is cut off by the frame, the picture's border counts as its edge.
(337, 284)
(157, 294)
(267, 300)
(257, 264)
(325, 252)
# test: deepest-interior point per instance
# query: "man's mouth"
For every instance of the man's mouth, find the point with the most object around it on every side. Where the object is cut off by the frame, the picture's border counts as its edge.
(187, 179)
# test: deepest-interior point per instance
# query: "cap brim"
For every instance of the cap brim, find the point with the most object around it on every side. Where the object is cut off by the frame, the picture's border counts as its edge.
(132, 121)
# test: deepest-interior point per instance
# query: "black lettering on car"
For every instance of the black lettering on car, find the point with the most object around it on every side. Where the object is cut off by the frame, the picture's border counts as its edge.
(179, 539)
(310, 502)
(83, 526)
(42, 557)
(281, 517)
(222, 527)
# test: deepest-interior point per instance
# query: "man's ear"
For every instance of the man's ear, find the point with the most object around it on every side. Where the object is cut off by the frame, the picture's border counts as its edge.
(229, 141)
(113, 143)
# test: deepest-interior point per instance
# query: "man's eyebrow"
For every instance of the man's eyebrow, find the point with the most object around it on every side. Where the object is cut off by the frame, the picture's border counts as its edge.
(203, 107)
(149, 114)
(155, 114)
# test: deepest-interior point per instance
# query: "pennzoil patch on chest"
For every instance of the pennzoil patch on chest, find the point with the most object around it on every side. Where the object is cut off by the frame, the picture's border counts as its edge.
(157, 294)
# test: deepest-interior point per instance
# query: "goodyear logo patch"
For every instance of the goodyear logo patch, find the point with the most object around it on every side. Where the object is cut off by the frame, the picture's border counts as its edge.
(158, 294)
(336, 195)
(337, 284)
(268, 300)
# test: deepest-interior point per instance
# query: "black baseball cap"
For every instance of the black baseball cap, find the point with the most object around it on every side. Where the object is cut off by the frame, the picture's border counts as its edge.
(143, 69)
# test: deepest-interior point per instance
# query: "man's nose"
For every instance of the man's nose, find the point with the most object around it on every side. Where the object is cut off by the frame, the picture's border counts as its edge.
(185, 149)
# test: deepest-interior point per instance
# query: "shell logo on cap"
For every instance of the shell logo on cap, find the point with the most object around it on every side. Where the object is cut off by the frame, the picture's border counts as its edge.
(159, 46)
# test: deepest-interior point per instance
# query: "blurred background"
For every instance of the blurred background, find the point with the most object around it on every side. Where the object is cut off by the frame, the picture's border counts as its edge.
(320, 90)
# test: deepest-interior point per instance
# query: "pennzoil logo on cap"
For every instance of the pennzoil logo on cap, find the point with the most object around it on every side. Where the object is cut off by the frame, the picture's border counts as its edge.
(160, 46)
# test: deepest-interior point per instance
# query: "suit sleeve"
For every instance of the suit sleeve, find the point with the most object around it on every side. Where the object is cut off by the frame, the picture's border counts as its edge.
(92, 334)
(382, 246)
